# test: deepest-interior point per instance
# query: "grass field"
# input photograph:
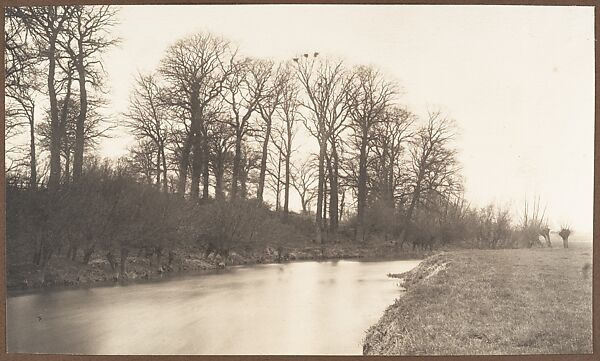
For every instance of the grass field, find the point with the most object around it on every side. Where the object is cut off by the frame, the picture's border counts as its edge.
(516, 301)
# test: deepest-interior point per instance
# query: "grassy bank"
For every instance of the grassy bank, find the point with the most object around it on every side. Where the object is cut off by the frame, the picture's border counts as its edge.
(516, 301)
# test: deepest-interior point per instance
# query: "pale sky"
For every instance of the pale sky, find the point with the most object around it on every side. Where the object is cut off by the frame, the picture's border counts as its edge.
(518, 80)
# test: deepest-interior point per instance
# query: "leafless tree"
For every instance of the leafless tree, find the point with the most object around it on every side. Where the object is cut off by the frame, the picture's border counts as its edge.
(222, 139)
(304, 179)
(47, 24)
(246, 88)
(565, 232)
(368, 103)
(95, 128)
(267, 108)
(147, 118)
(288, 113)
(88, 34)
(142, 162)
(390, 141)
(327, 86)
(196, 69)
(433, 167)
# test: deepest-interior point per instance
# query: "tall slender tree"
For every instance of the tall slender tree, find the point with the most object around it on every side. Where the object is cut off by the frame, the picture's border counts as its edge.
(88, 35)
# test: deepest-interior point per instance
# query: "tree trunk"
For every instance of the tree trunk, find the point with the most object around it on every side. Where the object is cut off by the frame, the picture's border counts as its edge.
(123, 262)
(205, 168)
(362, 187)
(164, 166)
(218, 170)
(183, 166)
(263, 164)
(320, 190)
(196, 169)
(67, 172)
(237, 159)
(325, 227)
(243, 192)
(333, 194)
(32, 158)
(409, 214)
(158, 171)
(286, 191)
(80, 125)
(278, 186)
(55, 136)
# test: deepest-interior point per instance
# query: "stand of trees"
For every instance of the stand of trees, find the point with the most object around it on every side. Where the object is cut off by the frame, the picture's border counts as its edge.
(214, 127)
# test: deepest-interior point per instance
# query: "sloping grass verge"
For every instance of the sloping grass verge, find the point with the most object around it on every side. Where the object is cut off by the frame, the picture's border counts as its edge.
(516, 301)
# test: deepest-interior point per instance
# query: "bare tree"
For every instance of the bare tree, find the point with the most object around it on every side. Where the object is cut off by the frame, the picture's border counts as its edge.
(47, 24)
(88, 34)
(288, 113)
(95, 128)
(433, 164)
(196, 68)
(147, 118)
(141, 161)
(327, 86)
(222, 140)
(246, 87)
(23, 82)
(304, 180)
(267, 107)
(368, 103)
(565, 232)
(390, 140)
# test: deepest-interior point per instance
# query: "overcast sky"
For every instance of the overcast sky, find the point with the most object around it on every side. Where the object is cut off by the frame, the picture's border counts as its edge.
(518, 80)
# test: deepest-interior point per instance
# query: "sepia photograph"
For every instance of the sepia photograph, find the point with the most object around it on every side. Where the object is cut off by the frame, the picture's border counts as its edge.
(298, 179)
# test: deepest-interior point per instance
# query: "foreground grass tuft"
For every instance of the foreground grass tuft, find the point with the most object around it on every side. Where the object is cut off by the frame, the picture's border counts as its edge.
(517, 301)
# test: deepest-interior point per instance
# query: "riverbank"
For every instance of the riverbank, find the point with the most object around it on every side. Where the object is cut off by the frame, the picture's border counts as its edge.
(64, 272)
(473, 302)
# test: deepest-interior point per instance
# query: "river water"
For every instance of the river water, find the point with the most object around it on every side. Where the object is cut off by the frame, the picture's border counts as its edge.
(293, 308)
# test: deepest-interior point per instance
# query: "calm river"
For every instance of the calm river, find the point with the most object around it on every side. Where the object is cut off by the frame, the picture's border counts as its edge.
(294, 308)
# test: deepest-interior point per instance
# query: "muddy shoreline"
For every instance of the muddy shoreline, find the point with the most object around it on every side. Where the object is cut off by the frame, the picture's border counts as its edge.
(63, 273)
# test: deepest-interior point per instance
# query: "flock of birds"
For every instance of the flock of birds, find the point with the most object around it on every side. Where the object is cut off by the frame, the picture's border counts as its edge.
(315, 54)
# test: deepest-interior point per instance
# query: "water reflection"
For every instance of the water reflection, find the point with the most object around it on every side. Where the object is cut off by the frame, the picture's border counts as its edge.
(296, 308)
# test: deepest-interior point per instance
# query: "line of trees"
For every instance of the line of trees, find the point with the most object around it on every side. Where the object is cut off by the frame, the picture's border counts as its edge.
(213, 125)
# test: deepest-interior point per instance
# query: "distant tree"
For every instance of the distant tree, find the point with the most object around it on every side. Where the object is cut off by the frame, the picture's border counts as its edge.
(533, 224)
(565, 232)
(304, 179)
(142, 162)
(433, 168)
